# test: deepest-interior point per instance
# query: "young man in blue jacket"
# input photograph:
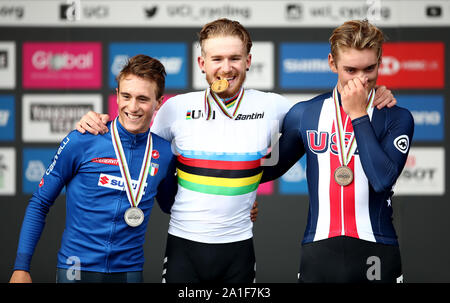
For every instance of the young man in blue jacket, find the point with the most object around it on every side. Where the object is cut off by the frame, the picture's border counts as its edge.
(111, 182)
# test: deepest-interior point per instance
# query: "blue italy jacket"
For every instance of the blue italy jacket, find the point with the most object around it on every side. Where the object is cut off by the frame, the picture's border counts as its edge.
(96, 235)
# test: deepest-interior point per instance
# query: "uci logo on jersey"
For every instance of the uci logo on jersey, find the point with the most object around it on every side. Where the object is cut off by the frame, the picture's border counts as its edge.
(197, 114)
(320, 142)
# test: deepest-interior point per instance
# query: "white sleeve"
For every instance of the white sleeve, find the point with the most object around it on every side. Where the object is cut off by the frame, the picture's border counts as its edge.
(282, 106)
(164, 119)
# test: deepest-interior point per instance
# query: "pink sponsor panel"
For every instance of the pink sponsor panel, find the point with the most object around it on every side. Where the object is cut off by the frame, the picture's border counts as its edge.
(62, 65)
(265, 188)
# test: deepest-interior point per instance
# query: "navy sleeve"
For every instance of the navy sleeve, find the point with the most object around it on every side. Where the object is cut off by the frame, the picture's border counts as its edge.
(383, 158)
(56, 176)
(167, 189)
(290, 146)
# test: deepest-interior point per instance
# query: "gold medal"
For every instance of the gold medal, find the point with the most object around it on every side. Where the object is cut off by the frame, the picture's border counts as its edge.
(219, 86)
(343, 175)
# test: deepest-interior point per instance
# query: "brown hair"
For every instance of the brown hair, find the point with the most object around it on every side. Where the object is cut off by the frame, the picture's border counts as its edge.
(147, 68)
(357, 34)
(225, 27)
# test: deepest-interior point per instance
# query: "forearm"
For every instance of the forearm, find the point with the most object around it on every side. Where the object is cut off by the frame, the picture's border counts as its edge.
(290, 150)
(381, 170)
(32, 227)
(167, 189)
(166, 193)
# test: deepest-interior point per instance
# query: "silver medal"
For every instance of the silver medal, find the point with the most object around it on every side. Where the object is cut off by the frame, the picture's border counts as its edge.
(134, 216)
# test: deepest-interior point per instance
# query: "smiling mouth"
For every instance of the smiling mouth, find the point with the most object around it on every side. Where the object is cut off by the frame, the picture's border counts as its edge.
(133, 117)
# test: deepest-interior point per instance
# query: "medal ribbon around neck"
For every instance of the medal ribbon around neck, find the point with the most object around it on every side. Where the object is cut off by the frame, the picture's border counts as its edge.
(134, 196)
(345, 154)
(220, 104)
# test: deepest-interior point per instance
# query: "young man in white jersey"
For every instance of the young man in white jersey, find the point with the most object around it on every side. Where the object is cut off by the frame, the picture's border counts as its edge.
(220, 136)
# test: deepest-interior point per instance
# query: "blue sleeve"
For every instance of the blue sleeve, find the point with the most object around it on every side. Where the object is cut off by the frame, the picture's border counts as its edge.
(58, 173)
(168, 187)
(290, 146)
(383, 158)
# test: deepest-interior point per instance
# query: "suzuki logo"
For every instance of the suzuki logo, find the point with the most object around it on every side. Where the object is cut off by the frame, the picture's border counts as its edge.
(104, 180)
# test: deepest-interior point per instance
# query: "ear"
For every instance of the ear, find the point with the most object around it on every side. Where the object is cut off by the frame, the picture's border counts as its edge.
(332, 63)
(117, 95)
(159, 102)
(249, 60)
(201, 63)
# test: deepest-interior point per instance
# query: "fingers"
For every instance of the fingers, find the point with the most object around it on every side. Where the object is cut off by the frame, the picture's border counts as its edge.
(354, 97)
(80, 128)
(387, 102)
(355, 86)
(392, 103)
(254, 212)
(93, 122)
(104, 118)
(95, 130)
(384, 97)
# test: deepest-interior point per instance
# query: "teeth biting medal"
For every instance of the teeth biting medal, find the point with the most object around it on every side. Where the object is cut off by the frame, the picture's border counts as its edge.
(219, 86)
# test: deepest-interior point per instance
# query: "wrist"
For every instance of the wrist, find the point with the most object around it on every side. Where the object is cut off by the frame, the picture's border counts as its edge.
(356, 115)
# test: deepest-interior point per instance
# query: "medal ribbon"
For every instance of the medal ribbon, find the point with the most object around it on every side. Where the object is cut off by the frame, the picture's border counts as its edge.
(134, 196)
(220, 104)
(346, 153)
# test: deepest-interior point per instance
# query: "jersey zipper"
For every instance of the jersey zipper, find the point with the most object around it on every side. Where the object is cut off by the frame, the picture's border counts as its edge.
(116, 216)
(111, 234)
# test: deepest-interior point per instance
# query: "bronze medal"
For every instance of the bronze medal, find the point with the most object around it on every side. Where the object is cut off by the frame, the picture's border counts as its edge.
(219, 86)
(343, 175)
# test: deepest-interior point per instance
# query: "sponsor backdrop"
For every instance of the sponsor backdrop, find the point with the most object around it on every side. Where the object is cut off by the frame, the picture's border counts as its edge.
(59, 59)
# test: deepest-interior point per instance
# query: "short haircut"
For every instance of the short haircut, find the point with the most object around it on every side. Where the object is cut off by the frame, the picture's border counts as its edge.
(358, 34)
(147, 68)
(225, 27)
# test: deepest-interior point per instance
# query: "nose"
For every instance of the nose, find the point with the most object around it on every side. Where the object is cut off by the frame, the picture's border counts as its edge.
(226, 66)
(363, 77)
(133, 105)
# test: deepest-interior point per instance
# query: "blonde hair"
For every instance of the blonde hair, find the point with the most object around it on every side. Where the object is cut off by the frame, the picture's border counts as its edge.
(225, 27)
(357, 34)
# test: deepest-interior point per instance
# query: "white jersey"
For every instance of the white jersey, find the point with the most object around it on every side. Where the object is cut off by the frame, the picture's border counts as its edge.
(219, 152)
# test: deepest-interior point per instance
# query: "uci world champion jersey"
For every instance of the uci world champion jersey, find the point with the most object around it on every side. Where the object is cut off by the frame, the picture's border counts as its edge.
(219, 152)
(363, 208)
(96, 236)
